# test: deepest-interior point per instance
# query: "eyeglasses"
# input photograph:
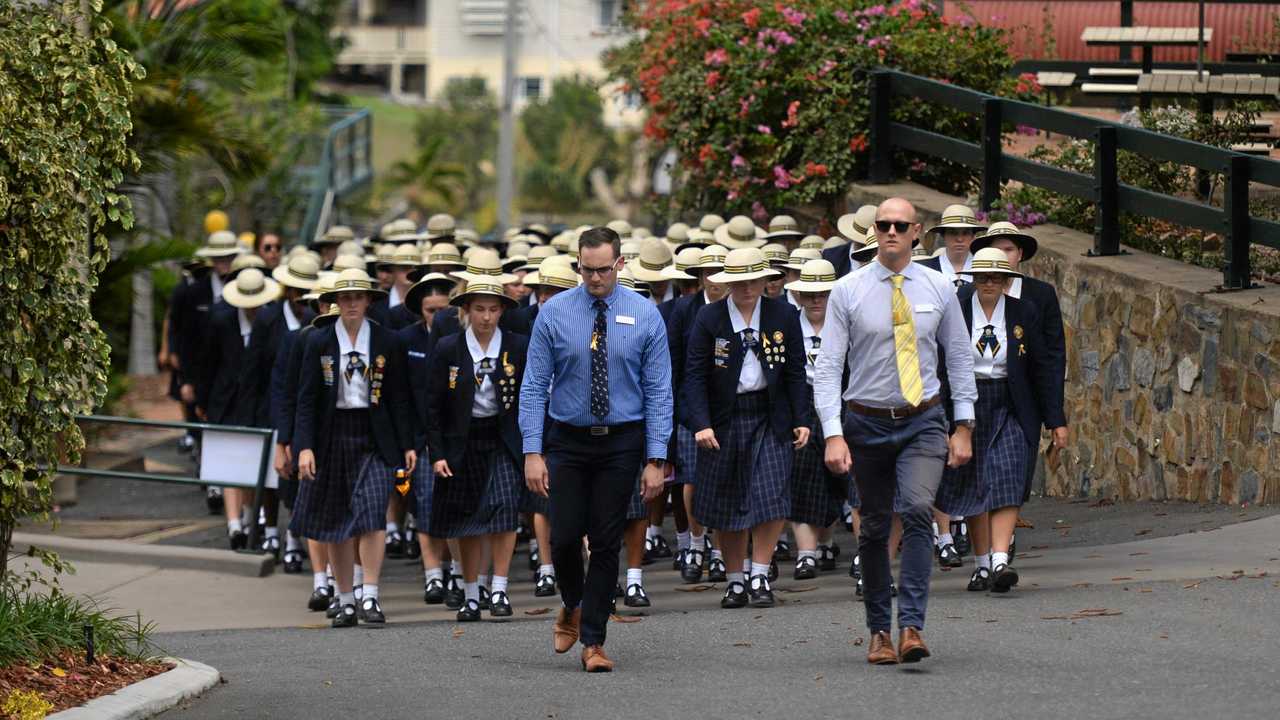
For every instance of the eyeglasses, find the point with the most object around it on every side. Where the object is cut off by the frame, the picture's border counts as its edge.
(900, 225)
(988, 279)
(270, 248)
(600, 271)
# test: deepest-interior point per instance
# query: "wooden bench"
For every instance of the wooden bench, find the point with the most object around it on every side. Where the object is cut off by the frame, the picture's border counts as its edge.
(1108, 88)
(1108, 72)
(1256, 148)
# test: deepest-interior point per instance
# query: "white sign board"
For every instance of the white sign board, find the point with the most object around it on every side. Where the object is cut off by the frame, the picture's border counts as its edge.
(229, 458)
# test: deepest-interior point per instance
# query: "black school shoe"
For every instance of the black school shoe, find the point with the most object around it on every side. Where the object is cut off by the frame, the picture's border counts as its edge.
(761, 593)
(980, 580)
(960, 531)
(320, 598)
(782, 551)
(371, 612)
(827, 555)
(691, 571)
(677, 560)
(948, 557)
(534, 560)
(656, 548)
(855, 567)
(433, 592)
(239, 540)
(546, 586)
(345, 617)
(806, 569)
(335, 607)
(773, 570)
(213, 500)
(636, 597)
(735, 596)
(454, 595)
(395, 545)
(469, 612)
(716, 571)
(271, 546)
(1003, 578)
(499, 605)
(484, 598)
(292, 562)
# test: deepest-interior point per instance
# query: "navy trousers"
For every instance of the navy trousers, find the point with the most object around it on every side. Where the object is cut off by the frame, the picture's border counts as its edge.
(592, 480)
(900, 459)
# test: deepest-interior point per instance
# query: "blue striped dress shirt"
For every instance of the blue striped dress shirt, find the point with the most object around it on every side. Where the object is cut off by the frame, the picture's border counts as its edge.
(559, 367)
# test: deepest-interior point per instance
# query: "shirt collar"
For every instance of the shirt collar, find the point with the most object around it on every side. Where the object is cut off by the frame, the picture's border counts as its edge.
(979, 316)
(609, 299)
(344, 340)
(216, 283)
(805, 328)
(290, 320)
(740, 324)
(246, 327)
(1015, 289)
(944, 263)
(473, 345)
(884, 273)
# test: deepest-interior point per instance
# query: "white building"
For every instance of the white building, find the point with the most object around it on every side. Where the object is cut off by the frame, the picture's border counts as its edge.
(415, 48)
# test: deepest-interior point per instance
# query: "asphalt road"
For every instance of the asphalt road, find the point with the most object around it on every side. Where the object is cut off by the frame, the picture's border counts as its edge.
(1170, 651)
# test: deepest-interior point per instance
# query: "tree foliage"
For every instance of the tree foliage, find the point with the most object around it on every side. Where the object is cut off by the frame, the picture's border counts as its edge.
(566, 139)
(64, 130)
(467, 118)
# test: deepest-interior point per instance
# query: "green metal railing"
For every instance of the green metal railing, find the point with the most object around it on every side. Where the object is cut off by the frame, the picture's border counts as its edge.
(346, 165)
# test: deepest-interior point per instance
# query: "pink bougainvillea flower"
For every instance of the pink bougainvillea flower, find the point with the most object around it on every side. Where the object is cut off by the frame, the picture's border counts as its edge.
(793, 16)
(716, 57)
(781, 178)
(764, 129)
(738, 162)
(751, 17)
(792, 110)
(713, 78)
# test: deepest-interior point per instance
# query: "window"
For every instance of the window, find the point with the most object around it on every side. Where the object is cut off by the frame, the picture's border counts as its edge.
(529, 88)
(609, 12)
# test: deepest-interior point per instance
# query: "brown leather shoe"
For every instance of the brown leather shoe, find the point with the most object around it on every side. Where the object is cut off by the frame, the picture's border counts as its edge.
(565, 631)
(594, 660)
(911, 646)
(881, 651)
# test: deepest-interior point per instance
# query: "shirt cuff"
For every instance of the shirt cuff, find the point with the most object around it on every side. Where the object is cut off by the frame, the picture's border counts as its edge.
(533, 444)
(656, 450)
(963, 410)
(831, 427)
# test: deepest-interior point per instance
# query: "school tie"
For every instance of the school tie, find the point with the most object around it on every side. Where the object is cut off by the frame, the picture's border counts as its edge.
(354, 365)
(988, 340)
(600, 361)
(485, 369)
(750, 342)
(815, 344)
(904, 342)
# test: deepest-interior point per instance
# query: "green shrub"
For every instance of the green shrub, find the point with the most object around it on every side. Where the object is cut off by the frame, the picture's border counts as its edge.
(35, 627)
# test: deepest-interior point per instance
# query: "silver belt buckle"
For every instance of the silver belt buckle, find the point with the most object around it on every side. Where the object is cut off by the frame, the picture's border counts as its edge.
(599, 430)
(893, 414)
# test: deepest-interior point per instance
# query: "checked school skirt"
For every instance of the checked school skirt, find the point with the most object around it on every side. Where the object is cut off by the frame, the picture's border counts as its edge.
(997, 475)
(686, 457)
(348, 496)
(422, 489)
(816, 493)
(483, 496)
(748, 480)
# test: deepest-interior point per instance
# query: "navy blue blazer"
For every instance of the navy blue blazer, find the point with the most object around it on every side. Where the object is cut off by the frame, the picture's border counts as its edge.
(380, 311)
(446, 322)
(451, 389)
(679, 325)
(389, 416)
(192, 330)
(519, 320)
(839, 258)
(418, 343)
(1044, 299)
(226, 401)
(286, 374)
(714, 362)
(269, 329)
(400, 317)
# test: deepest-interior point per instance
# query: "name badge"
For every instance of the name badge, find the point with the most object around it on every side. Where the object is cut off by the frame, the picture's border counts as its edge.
(926, 308)
(626, 320)
(416, 354)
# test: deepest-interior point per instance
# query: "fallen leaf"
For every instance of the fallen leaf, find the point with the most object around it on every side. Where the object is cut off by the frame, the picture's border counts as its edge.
(537, 611)
(625, 618)
(817, 677)
(955, 617)
(1164, 636)
(742, 644)
(1142, 569)
(1160, 515)
(1025, 556)
(803, 588)
(857, 642)
(328, 683)
(1122, 577)
(1192, 586)
(1082, 585)
(991, 621)
(1138, 553)
(1259, 576)
(1092, 557)
(694, 588)
(459, 632)
(1024, 524)
(1144, 590)
(1143, 531)
(58, 672)
(1054, 617)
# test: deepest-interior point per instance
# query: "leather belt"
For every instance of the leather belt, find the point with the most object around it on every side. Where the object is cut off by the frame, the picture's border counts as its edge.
(599, 430)
(900, 413)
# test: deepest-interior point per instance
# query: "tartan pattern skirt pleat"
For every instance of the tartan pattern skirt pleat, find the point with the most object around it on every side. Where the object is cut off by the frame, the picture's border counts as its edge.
(532, 502)
(423, 491)
(348, 497)
(686, 457)
(997, 475)
(748, 480)
(483, 496)
(636, 508)
(812, 499)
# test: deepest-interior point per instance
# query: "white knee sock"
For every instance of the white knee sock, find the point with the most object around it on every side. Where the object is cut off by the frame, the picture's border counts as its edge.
(635, 576)
(234, 526)
(717, 555)
(272, 531)
(433, 574)
(392, 527)
(370, 591)
(746, 567)
(291, 542)
(653, 531)
(357, 575)
(984, 561)
(319, 580)
(945, 539)
(999, 558)
(472, 591)
(683, 540)
(345, 599)
(547, 570)
(499, 583)
(805, 554)
(759, 569)
(735, 577)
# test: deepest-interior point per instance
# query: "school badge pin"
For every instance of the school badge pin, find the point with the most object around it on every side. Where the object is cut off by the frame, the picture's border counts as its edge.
(777, 336)
(380, 361)
(1017, 331)
(453, 377)
(326, 368)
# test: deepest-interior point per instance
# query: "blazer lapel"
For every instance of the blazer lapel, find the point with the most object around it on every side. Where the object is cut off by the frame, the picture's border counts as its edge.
(736, 350)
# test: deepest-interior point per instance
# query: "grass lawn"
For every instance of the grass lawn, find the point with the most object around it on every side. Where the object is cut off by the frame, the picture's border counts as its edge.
(392, 130)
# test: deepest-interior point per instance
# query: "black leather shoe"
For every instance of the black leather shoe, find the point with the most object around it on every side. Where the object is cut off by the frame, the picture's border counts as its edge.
(617, 593)
(499, 605)
(761, 593)
(371, 612)
(433, 592)
(534, 560)
(948, 557)
(1003, 577)
(692, 570)
(847, 518)
(855, 567)
(271, 546)
(782, 551)
(636, 596)
(319, 599)
(716, 571)
(293, 562)
(827, 558)
(677, 560)
(980, 580)
(345, 617)
(239, 540)
(395, 545)
(484, 598)
(857, 588)
(773, 570)
(960, 531)
(1013, 547)
(659, 546)
(412, 550)
(806, 569)
(213, 500)
(893, 589)
(648, 558)
(454, 595)
(735, 596)
(546, 586)
(469, 612)
(334, 608)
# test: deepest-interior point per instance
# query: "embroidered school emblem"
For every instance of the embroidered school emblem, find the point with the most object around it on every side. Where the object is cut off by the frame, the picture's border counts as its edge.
(380, 361)
(507, 367)
(326, 368)
(722, 348)
(453, 377)
(1017, 331)
(777, 336)
(375, 381)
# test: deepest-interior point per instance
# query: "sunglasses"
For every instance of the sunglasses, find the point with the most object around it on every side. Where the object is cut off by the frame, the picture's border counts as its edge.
(270, 248)
(900, 225)
(601, 271)
(988, 279)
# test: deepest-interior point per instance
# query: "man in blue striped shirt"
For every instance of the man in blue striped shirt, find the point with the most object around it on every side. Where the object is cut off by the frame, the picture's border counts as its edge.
(599, 354)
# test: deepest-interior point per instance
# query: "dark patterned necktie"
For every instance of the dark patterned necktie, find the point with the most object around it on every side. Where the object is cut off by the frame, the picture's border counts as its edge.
(988, 341)
(815, 344)
(600, 361)
(485, 370)
(750, 342)
(354, 365)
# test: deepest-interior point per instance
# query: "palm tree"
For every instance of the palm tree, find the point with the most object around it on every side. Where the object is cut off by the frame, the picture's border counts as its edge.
(432, 181)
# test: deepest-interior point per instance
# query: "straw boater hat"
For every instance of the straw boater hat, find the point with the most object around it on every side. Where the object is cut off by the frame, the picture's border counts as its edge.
(536, 255)
(712, 258)
(481, 287)
(557, 260)
(683, 260)
(1008, 231)
(383, 253)
(553, 275)
(537, 229)
(705, 232)
(958, 217)
(622, 227)
(854, 225)
(560, 243)
(413, 298)
(519, 246)
(405, 256)
(837, 241)
(816, 276)
(251, 289)
(348, 262)
(514, 263)
(440, 226)
(990, 261)
(627, 280)
(739, 232)
(630, 250)
(783, 227)
(654, 257)
(323, 285)
(351, 247)
(445, 254)
(640, 233)
(742, 265)
(222, 243)
(335, 235)
(463, 237)
(484, 266)
(301, 272)
(813, 241)
(246, 261)
(352, 280)
(572, 249)
(678, 233)
(775, 253)
(800, 256)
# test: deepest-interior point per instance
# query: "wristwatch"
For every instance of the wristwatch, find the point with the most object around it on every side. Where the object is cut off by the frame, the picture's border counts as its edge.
(967, 423)
(660, 462)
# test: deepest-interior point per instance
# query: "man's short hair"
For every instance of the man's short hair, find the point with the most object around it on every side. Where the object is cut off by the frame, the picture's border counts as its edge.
(598, 236)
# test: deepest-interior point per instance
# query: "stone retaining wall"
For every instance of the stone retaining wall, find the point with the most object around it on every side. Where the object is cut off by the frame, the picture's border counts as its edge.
(1173, 390)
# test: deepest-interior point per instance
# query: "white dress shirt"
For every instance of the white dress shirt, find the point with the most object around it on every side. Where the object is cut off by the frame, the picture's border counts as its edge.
(485, 403)
(751, 378)
(215, 282)
(812, 347)
(393, 297)
(246, 326)
(989, 363)
(1015, 289)
(353, 394)
(791, 298)
(949, 270)
(859, 333)
(290, 320)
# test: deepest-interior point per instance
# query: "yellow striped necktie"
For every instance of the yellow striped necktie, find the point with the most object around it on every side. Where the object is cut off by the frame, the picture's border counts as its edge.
(904, 342)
